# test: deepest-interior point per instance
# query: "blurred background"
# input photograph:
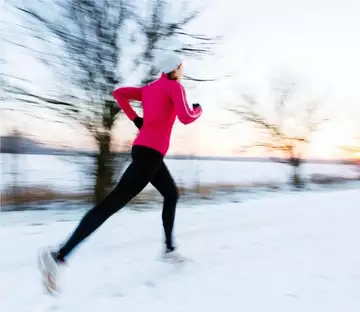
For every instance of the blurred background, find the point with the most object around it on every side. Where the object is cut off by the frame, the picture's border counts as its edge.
(278, 82)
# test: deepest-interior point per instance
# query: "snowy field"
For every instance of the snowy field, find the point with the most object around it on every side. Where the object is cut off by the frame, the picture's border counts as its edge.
(297, 252)
(69, 173)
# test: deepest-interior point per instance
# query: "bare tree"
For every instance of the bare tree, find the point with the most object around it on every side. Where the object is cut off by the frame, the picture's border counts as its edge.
(82, 47)
(159, 27)
(84, 44)
(284, 128)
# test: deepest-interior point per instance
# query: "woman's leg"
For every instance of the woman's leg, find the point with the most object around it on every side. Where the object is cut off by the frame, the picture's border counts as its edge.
(166, 186)
(144, 166)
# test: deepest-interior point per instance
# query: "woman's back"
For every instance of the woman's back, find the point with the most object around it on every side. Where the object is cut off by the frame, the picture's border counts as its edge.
(159, 115)
(156, 102)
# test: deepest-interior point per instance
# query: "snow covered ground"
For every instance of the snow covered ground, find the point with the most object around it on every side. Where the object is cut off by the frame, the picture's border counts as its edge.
(296, 252)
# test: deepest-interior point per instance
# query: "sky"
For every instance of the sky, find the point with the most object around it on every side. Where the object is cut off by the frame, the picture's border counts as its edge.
(317, 42)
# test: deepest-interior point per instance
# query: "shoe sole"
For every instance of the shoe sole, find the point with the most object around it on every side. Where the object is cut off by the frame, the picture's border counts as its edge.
(48, 280)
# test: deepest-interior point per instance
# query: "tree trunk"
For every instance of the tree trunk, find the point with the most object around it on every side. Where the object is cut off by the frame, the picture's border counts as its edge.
(296, 177)
(104, 168)
(104, 158)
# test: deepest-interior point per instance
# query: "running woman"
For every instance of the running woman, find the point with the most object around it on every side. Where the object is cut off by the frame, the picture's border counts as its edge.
(162, 101)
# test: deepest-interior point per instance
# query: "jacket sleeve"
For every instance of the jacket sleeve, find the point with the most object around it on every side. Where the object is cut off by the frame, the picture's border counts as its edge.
(185, 114)
(123, 95)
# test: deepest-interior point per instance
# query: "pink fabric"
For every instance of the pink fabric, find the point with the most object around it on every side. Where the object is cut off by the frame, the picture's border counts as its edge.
(162, 101)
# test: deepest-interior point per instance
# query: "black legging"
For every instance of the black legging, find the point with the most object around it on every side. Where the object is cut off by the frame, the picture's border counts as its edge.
(147, 166)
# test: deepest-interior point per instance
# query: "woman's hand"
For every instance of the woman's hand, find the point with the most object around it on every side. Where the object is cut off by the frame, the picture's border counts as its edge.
(138, 121)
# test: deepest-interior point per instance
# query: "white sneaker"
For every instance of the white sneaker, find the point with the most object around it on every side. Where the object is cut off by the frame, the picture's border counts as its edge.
(173, 257)
(49, 269)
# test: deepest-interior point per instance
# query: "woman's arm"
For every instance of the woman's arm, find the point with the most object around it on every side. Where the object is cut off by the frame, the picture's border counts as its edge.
(185, 114)
(123, 95)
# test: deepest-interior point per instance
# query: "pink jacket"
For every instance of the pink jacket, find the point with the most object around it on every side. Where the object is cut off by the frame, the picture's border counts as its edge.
(162, 101)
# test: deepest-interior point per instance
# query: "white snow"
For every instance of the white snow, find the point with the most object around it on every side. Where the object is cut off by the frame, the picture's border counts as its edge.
(286, 253)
